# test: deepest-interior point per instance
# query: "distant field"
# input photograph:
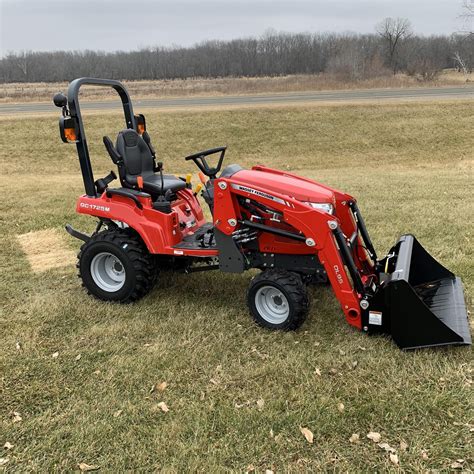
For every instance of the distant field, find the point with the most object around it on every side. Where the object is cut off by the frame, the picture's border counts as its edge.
(80, 379)
(37, 92)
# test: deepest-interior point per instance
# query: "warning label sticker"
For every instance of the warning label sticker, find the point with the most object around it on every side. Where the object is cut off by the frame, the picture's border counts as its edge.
(375, 318)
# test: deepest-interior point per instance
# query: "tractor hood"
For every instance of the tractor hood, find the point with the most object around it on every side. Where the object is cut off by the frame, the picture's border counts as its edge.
(293, 187)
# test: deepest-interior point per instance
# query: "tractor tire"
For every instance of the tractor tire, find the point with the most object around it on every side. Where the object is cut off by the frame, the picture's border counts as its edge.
(115, 265)
(278, 299)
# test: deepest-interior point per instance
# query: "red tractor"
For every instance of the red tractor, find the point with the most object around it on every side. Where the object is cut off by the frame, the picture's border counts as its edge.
(295, 230)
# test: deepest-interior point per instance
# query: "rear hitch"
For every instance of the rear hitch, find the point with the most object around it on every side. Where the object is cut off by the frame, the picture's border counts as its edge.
(75, 233)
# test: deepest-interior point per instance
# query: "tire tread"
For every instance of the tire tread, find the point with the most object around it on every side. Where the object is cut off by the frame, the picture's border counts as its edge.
(142, 261)
(297, 293)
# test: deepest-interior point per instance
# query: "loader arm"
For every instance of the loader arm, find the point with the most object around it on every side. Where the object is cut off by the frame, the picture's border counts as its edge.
(348, 212)
(321, 231)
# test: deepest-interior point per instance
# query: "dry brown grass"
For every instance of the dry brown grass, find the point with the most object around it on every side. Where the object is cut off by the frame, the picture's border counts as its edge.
(46, 249)
(17, 92)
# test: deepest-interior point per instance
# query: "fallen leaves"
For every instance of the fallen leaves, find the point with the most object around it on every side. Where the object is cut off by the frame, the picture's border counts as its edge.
(394, 459)
(78, 357)
(458, 464)
(387, 448)
(55, 355)
(162, 386)
(16, 417)
(118, 413)
(308, 434)
(163, 407)
(3, 461)
(317, 372)
(8, 445)
(374, 436)
(340, 407)
(260, 403)
(354, 438)
(84, 467)
(18, 346)
(241, 405)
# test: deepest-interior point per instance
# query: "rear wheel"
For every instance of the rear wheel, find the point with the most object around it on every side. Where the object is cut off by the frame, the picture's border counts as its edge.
(278, 299)
(115, 265)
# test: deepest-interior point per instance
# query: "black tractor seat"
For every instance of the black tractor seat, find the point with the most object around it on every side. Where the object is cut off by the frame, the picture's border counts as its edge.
(152, 183)
(134, 159)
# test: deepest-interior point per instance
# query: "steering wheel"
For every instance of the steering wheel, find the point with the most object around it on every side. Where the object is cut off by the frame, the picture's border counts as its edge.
(199, 159)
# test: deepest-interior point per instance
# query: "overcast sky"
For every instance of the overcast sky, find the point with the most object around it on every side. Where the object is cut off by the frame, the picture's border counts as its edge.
(110, 25)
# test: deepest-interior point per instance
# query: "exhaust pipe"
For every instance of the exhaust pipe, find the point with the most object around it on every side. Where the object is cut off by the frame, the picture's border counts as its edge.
(419, 302)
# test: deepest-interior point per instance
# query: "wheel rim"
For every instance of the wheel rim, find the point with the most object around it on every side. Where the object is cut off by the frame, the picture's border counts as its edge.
(108, 272)
(272, 304)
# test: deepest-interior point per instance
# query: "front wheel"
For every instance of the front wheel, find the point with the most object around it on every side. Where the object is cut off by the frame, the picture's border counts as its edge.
(115, 265)
(278, 299)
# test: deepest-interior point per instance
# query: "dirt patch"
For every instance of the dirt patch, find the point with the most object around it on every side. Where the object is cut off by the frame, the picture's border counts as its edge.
(46, 249)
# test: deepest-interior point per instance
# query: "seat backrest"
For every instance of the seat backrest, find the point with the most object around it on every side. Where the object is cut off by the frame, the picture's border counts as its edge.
(137, 157)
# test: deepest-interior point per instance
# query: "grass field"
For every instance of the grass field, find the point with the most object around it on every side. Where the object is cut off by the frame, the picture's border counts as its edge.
(43, 91)
(80, 379)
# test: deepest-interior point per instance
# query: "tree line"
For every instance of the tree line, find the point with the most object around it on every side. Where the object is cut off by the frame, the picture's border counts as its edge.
(391, 49)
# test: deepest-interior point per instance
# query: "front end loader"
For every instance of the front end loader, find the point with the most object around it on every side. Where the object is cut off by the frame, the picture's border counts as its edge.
(294, 230)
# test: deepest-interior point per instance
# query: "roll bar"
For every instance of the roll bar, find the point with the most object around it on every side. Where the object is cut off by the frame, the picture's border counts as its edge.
(75, 113)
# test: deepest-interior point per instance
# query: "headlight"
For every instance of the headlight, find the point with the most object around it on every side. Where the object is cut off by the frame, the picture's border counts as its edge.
(324, 206)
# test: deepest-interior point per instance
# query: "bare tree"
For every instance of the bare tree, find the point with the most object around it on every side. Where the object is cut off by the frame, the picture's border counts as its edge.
(393, 31)
(468, 8)
(463, 56)
(460, 63)
(468, 16)
(346, 55)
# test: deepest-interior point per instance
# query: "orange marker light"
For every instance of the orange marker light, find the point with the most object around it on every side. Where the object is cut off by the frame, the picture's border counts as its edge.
(70, 134)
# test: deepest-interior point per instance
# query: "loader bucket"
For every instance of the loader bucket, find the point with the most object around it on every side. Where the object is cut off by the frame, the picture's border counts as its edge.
(423, 300)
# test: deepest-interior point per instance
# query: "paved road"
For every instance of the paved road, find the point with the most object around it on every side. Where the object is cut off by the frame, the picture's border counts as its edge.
(465, 92)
